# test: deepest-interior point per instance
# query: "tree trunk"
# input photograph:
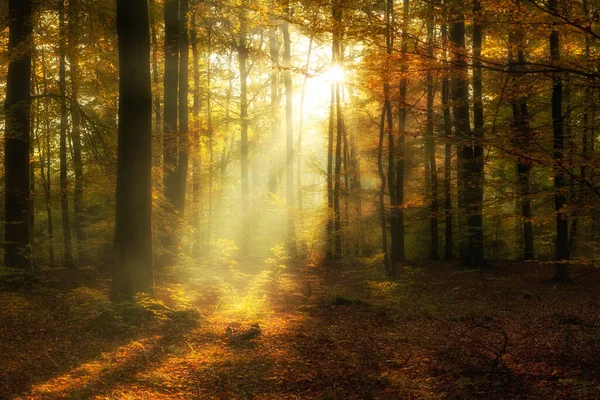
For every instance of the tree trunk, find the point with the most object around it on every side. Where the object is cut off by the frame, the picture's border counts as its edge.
(287, 78)
(330, 197)
(196, 147)
(73, 52)
(338, 251)
(476, 257)
(522, 142)
(467, 170)
(430, 144)
(448, 239)
(244, 121)
(183, 132)
(170, 145)
(274, 45)
(133, 270)
(64, 187)
(45, 168)
(397, 189)
(382, 210)
(156, 101)
(301, 127)
(16, 138)
(562, 225)
(585, 143)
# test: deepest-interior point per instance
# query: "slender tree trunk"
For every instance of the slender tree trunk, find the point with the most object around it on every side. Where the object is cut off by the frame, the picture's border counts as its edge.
(562, 225)
(585, 141)
(158, 146)
(338, 250)
(210, 218)
(133, 271)
(330, 196)
(196, 147)
(523, 141)
(245, 188)
(170, 137)
(45, 168)
(397, 203)
(275, 101)
(35, 117)
(64, 187)
(382, 210)
(183, 132)
(73, 52)
(430, 144)
(462, 126)
(287, 78)
(476, 169)
(301, 127)
(448, 239)
(16, 138)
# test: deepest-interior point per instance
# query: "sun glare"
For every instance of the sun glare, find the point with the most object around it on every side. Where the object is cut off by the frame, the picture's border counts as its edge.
(335, 74)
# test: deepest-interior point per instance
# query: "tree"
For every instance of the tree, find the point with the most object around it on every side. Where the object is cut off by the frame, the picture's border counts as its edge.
(64, 193)
(133, 266)
(73, 54)
(244, 151)
(448, 240)
(562, 224)
(170, 117)
(430, 142)
(523, 139)
(475, 176)
(396, 174)
(17, 137)
(289, 137)
(468, 167)
(183, 132)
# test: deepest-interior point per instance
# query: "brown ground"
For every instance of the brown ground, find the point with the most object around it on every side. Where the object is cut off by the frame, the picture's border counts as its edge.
(326, 332)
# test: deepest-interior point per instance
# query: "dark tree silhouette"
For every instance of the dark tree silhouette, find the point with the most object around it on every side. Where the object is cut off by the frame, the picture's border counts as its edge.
(133, 264)
(17, 137)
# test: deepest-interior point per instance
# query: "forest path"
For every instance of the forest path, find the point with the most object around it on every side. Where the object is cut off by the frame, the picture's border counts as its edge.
(330, 332)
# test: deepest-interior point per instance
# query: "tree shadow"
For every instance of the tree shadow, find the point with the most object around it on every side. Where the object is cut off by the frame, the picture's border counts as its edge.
(49, 345)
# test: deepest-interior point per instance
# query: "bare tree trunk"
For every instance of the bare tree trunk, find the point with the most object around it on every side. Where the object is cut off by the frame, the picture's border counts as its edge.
(397, 199)
(183, 132)
(301, 126)
(382, 210)
(133, 271)
(64, 187)
(587, 127)
(448, 239)
(330, 196)
(16, 138)
(287, 78)
(274, 45)
(476, 171)
(245, 188)
(430, 144)
(562, 225)
(170, 137)
(522, 141)
(158, 146)
(78, 205)
(196, 147)
(45, 168)
(338, 250)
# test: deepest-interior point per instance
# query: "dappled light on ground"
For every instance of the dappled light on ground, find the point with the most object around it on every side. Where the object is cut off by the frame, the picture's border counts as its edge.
(317, 331)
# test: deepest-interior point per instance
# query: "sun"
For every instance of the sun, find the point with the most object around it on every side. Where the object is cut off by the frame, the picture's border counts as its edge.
(335, 74)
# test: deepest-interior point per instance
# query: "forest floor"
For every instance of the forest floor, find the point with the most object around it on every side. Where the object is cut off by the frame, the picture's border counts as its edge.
(324, 332)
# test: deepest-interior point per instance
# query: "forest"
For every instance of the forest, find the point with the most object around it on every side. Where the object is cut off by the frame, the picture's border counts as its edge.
(300, 199)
